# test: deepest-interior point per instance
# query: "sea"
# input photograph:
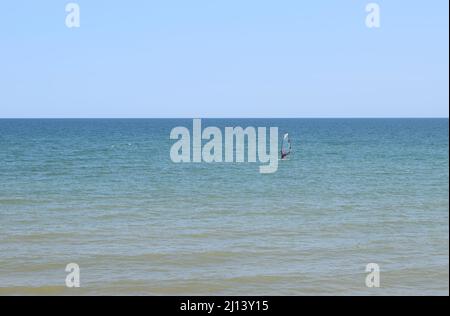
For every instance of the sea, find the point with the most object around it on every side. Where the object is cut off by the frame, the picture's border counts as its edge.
(104, 194)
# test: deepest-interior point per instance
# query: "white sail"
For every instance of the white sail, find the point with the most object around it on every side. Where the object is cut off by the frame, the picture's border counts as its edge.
(286, 146)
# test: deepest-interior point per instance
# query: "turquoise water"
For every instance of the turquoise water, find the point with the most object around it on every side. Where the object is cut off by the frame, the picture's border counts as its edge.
(105, 195)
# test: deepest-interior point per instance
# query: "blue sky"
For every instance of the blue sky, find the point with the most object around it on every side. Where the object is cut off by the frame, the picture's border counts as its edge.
(224, 58)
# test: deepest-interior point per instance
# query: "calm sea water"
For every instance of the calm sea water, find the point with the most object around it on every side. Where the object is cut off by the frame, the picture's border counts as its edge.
(105, 195)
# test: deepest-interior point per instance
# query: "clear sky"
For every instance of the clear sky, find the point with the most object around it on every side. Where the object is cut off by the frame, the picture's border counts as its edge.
(224, 58)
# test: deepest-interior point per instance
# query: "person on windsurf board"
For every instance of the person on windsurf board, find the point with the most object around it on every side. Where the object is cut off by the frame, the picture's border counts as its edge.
(286, 147)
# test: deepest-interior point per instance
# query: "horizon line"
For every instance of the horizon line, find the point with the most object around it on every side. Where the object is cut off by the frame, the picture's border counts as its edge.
(222, 117)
